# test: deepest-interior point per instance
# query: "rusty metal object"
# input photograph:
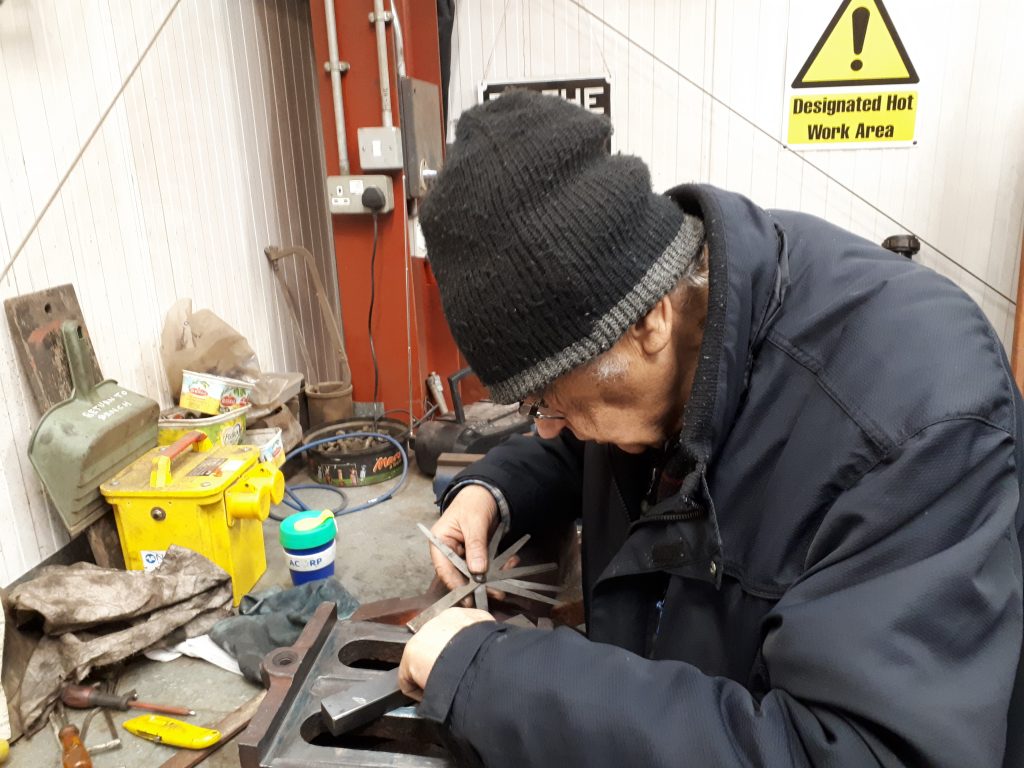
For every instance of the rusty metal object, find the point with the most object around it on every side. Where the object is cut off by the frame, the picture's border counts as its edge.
(288, 730)
(329, 656)
(35, 320)
(399, 610)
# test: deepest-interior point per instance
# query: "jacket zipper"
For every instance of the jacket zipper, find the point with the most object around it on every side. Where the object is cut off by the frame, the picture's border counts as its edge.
(692, 514)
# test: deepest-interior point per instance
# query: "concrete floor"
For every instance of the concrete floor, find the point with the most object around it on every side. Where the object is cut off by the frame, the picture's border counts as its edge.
(380, 554)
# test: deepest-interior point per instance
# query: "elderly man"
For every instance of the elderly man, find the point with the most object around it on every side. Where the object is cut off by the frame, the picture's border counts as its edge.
(796, 457)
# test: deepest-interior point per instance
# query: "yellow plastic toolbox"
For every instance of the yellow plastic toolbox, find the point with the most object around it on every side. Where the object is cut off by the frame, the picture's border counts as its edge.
(212, 500)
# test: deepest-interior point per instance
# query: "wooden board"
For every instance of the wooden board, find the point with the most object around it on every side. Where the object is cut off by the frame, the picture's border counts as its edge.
(233, 723)
(35, 320)
(1017, 348)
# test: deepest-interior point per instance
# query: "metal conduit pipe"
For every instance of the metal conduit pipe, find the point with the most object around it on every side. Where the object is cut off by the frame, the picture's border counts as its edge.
(334, 66)
(399, 41)
(379, 22)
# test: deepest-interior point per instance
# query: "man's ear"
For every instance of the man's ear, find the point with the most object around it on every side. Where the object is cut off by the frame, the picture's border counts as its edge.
(653, 332)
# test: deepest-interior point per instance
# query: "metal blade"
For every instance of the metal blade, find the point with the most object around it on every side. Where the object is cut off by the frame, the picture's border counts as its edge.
(535, 585)
(480, 597)
(492, 546)
(513, 589)
(445, 550)
(526, 570)
(445, 602)
(503, 558)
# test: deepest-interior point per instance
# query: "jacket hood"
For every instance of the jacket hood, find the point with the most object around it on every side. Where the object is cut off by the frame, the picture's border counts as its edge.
(748, 274)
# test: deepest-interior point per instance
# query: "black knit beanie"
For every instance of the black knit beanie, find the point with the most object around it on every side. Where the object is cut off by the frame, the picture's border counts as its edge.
(546, 248)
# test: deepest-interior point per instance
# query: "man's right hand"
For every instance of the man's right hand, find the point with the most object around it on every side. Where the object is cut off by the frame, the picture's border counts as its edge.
(466, 526)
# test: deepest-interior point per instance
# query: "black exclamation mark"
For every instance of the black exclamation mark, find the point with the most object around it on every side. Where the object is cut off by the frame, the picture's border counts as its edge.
(860, 31)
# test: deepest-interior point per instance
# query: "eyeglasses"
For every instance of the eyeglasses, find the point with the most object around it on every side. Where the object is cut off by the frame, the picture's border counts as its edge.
(538, 409)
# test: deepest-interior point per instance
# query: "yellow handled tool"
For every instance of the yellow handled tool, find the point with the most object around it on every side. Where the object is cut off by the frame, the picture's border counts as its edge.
(173, 733)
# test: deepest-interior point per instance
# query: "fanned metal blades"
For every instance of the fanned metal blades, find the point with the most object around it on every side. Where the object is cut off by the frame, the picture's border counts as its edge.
(508, 580)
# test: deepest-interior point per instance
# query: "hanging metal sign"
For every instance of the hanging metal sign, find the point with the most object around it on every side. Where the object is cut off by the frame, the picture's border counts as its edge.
(591, 93)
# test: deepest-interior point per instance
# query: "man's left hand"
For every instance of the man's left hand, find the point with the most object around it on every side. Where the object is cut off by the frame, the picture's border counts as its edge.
(426, 645)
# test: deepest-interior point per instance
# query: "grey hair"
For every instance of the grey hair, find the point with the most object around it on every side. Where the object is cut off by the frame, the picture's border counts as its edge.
(696, 273)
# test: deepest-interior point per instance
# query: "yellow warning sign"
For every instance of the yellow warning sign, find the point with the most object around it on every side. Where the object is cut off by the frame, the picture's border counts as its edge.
(860, 46)
(852, 118)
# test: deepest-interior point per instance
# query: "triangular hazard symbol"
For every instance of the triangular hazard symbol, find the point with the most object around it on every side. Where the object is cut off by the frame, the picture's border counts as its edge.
(860, 46)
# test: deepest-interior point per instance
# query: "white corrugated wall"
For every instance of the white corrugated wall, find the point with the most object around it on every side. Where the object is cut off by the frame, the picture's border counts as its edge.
(177, 139)
(698, 91)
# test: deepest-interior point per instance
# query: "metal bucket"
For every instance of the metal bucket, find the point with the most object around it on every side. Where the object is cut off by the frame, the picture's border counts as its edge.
(328, 401)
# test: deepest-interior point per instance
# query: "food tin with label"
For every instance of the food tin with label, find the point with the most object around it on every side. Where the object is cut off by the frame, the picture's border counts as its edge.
(223, 429)
(269, 442)
(210, 394)
(210, 499)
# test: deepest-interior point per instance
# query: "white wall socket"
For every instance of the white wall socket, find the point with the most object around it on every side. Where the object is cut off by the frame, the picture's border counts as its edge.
(345, 193)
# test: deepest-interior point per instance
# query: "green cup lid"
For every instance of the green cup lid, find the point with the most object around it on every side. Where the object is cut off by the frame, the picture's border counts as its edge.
(307, 530)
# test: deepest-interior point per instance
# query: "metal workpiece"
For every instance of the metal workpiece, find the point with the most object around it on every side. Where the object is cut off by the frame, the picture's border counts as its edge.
(329, 658)
(362, 703)
(509, 580)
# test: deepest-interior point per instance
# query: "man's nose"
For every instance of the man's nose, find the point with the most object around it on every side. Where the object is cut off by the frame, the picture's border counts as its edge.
(548, 428)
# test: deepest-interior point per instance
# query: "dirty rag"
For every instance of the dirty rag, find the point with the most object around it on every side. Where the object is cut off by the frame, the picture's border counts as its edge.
(93, 617)
(274, 619)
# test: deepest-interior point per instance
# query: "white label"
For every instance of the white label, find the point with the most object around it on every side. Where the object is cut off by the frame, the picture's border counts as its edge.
(108, 406)
(355, 186)
(314, 562)
(376, 148)
(232, 466)
(151, 558)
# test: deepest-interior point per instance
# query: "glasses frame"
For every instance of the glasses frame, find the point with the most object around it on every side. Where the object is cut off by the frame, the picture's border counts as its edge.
(533, 410)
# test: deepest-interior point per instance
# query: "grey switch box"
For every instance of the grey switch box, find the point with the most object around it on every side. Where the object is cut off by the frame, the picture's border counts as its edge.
(345, 193)
(380, 149)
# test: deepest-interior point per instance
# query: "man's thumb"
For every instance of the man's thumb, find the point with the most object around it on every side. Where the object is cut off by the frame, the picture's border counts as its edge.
(476, 549)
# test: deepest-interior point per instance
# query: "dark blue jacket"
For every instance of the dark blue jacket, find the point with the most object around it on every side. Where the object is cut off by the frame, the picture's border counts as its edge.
(837, 582)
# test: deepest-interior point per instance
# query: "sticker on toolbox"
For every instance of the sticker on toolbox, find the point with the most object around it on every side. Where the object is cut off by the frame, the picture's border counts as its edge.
(207, 468)
(151, 558)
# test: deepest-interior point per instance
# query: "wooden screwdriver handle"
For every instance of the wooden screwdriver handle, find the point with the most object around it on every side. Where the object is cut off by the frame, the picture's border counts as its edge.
(73, 751)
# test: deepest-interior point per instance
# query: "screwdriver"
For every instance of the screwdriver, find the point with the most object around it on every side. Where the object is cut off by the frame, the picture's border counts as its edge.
(86, 697)
(73, 753)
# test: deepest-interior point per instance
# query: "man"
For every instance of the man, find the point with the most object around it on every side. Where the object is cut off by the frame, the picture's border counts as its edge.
(795, 456)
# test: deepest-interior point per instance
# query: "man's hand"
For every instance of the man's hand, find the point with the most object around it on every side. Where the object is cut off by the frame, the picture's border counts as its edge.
(466, 526)
(426, 645)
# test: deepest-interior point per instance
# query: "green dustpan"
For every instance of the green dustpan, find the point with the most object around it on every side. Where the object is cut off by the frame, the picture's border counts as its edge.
(88, 438)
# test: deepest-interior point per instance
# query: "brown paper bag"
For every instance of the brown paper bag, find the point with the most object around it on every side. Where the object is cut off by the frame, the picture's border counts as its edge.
(201, 341)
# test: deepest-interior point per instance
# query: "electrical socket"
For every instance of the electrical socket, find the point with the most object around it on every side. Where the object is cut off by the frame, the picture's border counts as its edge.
(368, 410)
(345, 193)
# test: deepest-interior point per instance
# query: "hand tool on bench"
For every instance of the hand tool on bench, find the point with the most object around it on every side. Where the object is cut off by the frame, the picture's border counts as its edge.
(87, 696)
(114, 742)
(510, 580)
(73, 753)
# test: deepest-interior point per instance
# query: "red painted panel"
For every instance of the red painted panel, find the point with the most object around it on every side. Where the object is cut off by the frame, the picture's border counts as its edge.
(430, 342)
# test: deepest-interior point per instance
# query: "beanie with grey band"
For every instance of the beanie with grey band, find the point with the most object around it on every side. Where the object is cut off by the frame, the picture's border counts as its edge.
(545, 247)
